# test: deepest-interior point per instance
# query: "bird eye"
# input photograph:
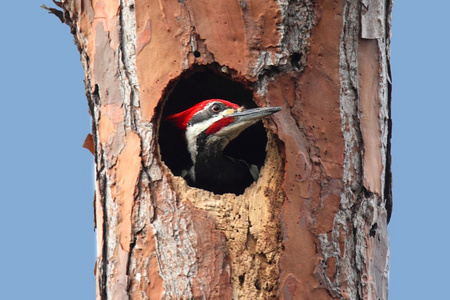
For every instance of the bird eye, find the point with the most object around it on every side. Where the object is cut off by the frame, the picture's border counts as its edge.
(216, 108)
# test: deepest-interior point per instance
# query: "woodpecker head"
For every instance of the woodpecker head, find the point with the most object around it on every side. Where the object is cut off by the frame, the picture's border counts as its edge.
(211, 124)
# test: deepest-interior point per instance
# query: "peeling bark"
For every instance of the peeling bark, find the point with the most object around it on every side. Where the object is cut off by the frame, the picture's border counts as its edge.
(314, 225)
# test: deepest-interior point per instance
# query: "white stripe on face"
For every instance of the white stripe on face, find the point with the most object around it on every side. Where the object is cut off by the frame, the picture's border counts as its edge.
(194, 130)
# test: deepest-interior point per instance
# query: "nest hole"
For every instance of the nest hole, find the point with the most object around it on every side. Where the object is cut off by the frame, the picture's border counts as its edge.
(194, 86)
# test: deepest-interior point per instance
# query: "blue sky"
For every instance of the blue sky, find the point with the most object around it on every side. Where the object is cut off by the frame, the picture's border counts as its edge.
(46, 224)
(419, 228)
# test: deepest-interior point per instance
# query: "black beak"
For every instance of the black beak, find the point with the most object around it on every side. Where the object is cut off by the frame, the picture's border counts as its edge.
(241, 120)
(254, 114)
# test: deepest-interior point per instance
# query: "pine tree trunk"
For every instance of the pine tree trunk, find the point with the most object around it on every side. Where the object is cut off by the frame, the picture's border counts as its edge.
(314, 225)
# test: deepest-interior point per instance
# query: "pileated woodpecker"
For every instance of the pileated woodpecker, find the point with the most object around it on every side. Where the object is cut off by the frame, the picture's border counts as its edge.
(209, 126)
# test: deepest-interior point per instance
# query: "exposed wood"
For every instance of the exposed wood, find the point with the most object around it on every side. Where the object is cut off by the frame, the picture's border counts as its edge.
(314, 226)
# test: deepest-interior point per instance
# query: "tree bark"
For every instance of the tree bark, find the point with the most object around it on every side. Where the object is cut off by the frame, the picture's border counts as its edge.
(314, 225)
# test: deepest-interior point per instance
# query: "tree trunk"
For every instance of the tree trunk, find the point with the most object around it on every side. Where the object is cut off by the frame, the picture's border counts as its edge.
(314, 225)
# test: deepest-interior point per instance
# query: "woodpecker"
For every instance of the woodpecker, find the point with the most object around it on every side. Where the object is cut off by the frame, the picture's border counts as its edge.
(209, 127)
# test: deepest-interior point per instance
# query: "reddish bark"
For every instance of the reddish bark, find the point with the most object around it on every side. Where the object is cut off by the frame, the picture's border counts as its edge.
(314, 226)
